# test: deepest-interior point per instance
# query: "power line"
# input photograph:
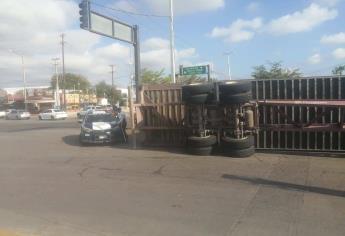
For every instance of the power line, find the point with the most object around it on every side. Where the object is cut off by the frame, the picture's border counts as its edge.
(128, 12)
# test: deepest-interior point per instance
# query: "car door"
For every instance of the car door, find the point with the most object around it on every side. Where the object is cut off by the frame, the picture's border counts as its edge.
(47, 114)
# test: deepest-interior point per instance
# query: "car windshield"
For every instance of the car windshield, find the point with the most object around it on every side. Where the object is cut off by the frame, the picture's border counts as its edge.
(100, 118)
(57, 110)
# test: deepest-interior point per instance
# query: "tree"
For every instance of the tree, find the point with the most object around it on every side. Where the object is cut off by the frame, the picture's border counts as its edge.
(190, 79)
(105, 90)
(72, 81)
(154, 77)
(275, 72)
(339, 70)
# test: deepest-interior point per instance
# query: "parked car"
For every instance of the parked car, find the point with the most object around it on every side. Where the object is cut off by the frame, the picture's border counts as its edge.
(18, 115)
(103, 128)
(52, 114)
(2, 114)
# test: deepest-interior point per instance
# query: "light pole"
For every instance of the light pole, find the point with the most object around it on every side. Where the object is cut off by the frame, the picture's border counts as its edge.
(229, 68)
(172, 43)
(112, 84)
(24, 75)
(57, 97)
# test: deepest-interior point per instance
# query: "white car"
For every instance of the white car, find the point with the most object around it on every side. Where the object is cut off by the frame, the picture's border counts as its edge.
(2, 114)
(18, 115)
(52, 114)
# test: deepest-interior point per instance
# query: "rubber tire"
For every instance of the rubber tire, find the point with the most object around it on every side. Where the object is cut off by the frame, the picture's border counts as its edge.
(236, 99)
(240, 152)
(235, 87)
(195, 141)
(200, 151)
(235, 144)
(198, 88)
(52, 118)
(39, 117)
(198, 99)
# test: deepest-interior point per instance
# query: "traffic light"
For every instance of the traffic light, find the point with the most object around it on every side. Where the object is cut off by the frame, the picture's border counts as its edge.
(84, 14)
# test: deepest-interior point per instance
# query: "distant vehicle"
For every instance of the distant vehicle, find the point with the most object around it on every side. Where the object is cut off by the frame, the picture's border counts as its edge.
(81, 114)
(103, 128)
(18, 115)
(2, 114)
(53, 114)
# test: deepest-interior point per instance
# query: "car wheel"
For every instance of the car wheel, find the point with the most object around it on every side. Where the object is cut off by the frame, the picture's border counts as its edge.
(235, 99)
(52, 117)
(233, 143)
(39, 117)
(240, 152)
(195, 141)
(200, 151)
(235, 87)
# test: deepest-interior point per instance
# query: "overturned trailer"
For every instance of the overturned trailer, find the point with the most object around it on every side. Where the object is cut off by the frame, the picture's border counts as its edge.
(303, 114)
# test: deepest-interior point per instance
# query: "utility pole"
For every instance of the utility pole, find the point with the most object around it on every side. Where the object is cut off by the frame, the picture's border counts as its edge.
(57, 96)
(172, 43)
(112, 84)
(63, 69)
(24, 76)
(229, 68)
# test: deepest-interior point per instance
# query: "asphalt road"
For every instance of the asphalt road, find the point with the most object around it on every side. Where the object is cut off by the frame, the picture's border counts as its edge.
(49, 185)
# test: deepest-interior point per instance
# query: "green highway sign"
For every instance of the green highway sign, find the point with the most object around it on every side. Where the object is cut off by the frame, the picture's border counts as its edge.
(194, 70)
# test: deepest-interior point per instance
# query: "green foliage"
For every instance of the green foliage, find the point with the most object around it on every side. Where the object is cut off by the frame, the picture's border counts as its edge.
(72, 81)
(275, 72)
(105, 90)
(154, 77)
(339, 70)
(190, 79)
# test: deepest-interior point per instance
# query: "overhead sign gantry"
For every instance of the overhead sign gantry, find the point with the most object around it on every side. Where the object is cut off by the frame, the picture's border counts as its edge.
(109, 27)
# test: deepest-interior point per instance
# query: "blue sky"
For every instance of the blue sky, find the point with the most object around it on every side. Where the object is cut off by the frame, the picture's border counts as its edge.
(305, 34)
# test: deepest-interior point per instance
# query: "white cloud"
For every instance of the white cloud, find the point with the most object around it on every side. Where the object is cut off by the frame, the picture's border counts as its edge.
(253, 7)
(124, 5)
(330, 3)
(315, 59)
(334, 38)
(339, 53)
(301, 21)
(156, 54)
(185, 7)
(239, 30)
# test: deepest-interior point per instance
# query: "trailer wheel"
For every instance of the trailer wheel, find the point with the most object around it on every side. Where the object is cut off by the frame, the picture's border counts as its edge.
(200, 151)
(234, 144)
(236, 99)
(198, 98)
(197, 88)
(239, 152)
(195, 141)
(235, 87)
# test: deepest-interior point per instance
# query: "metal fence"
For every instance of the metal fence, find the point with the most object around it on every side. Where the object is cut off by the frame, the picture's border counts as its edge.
(278, 122)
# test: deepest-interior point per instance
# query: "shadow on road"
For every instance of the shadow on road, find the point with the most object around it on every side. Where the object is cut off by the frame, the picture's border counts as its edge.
(285, 185)
(72, 140)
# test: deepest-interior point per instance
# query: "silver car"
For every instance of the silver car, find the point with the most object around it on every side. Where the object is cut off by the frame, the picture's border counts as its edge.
(18, 115)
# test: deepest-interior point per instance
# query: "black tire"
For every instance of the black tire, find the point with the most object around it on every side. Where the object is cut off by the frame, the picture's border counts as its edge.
(200, 151)
(198, 99)
(52, 118)
(39, 117)
(240, 152)
(195, 141)
(236, 99)
(235, 144)
(235, 87)
(198, 88)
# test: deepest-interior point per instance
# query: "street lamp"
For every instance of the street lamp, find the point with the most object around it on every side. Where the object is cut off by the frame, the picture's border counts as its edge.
(229, 68)
(24, 75)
